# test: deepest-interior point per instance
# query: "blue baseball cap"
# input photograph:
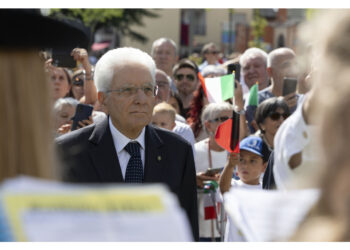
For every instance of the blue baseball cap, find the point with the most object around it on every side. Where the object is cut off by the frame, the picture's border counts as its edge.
(252, 144)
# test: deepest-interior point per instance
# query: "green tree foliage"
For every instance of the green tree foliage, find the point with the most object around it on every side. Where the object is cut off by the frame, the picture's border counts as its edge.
(258, 28)
(121, 19)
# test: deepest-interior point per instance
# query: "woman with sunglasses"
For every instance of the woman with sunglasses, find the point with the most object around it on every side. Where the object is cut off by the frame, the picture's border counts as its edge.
(269, 116)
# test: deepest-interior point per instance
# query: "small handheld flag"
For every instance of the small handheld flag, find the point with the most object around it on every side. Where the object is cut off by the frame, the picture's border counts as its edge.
(218, 89)
(227, 134)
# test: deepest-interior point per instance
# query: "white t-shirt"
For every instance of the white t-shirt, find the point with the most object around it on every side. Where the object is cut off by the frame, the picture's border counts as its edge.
(232, 233)
(292, 137)
(186, 132)
(202, 164)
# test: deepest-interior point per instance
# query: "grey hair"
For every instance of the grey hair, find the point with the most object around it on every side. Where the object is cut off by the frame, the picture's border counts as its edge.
(213, 69)
(64, 101)
(164, 74)
(161, 41)
(105, 67)
(251, 53)
(212, 110)
(273, 55)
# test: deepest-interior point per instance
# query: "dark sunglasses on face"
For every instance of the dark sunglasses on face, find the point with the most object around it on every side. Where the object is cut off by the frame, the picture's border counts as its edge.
(78, 81)
(189, 77)
(276, 116)
(221, 119)
(213, 52)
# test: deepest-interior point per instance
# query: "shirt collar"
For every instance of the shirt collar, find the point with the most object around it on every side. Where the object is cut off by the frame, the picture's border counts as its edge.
(121, 140)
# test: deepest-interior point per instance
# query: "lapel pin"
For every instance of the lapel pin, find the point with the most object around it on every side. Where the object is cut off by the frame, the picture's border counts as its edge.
(159, 158)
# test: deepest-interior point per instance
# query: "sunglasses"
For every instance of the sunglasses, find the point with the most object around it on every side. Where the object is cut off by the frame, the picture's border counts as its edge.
(78, 81)
(221, 119)
(189, 77)
(276, 116)
(213, 52)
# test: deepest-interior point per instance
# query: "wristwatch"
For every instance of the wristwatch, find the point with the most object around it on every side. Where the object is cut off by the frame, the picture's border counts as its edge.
(89, 76)
(241, 112)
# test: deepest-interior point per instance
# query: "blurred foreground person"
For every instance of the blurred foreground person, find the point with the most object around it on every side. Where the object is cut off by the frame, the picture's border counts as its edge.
(329, 220)
(26, 107)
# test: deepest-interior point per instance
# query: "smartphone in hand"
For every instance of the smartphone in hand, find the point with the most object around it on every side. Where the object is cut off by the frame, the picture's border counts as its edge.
(62, 58)
(234, 67)
(289, 85)
(212, 171)
(82, 112)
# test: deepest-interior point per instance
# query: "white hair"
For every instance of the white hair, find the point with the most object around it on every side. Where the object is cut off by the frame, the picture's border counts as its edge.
(64, 101)
(212, 110)
(161, 41)
(251, 53)
(273, 55)
(105, 67)
(213, 69)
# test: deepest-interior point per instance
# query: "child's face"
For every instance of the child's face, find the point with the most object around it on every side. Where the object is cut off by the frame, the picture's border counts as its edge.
(163, 120)
(250, 167)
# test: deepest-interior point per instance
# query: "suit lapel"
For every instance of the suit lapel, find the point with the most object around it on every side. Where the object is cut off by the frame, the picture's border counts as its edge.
(103, 153)
(155, 156)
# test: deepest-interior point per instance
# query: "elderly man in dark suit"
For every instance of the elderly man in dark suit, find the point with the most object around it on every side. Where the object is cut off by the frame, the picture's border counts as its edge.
(123, 147)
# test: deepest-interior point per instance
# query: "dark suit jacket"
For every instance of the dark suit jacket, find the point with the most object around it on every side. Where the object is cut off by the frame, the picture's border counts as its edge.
(89, 156)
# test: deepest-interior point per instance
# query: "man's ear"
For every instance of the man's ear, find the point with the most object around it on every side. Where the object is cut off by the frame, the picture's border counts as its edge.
(102, 98)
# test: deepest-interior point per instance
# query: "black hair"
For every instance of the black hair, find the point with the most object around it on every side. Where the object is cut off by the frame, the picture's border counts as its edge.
(268, 106)
(185, 63)
(265, 151)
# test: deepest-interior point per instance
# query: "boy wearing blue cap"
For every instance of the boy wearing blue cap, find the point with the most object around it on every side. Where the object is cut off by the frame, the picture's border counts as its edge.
(251, 163)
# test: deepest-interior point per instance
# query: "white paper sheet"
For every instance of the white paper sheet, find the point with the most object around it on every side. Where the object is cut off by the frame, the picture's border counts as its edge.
(268, 215)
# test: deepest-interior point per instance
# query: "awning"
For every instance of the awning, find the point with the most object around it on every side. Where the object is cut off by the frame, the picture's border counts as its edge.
(99, 46)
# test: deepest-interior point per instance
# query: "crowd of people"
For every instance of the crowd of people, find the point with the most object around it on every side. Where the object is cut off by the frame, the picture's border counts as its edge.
(152, 122)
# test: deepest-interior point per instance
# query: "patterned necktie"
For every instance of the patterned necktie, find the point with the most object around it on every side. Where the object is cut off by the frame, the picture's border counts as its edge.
(134, 169)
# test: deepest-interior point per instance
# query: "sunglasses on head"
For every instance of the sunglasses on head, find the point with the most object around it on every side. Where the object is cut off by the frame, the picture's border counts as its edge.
(221, 119)
(276, 116)
(180, 77)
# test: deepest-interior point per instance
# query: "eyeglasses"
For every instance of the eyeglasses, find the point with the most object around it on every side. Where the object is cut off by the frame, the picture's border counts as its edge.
(130, 91)
(189, 77)
(161, 84)
(221, 119)
(275, 116)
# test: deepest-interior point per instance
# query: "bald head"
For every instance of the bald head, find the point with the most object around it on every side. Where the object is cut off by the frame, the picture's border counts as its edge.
(277, 55)
(281, 63)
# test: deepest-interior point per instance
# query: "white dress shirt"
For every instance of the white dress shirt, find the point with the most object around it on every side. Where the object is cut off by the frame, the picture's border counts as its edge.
(120, 141)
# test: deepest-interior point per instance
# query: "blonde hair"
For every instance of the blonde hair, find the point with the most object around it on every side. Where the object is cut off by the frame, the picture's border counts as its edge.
(329, 220)
(25, 106)
(164, 107)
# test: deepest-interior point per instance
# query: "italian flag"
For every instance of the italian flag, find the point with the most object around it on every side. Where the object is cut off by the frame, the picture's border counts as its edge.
(218, 89)
(210, 209)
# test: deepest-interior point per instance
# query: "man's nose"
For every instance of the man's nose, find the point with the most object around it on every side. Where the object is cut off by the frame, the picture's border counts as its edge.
(140, 96)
